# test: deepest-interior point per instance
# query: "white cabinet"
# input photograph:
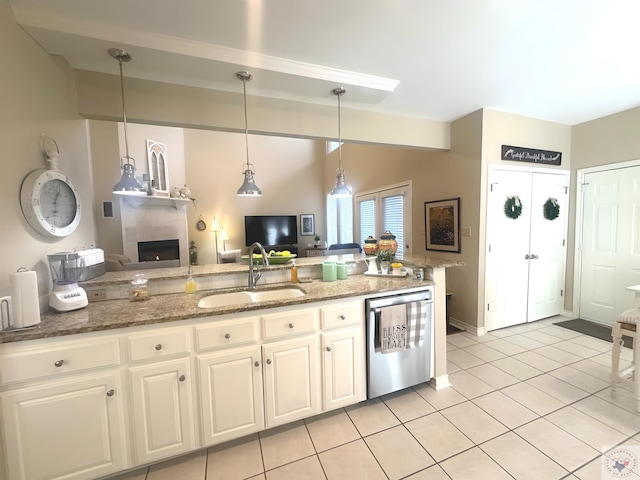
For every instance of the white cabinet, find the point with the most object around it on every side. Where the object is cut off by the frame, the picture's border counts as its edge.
(162, 406)
(71, 429)
(341, 368)
(161, 393)
(72, 408)
(231, 394)
(292, 380)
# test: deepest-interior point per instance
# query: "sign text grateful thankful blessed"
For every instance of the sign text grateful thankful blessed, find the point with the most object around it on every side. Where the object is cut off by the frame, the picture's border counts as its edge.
(522, 154)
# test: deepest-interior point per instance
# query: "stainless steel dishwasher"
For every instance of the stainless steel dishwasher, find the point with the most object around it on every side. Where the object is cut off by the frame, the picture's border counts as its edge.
(389, 372)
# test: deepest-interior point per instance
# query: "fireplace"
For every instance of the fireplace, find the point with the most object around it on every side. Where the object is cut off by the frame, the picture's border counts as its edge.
(158, 250)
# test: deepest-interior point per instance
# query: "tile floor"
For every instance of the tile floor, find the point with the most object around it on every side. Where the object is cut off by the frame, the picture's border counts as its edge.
(527, 402)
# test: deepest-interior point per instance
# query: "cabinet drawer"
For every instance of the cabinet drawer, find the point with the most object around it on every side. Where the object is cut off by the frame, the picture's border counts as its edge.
(342, 315)
(227, 334)
(287, 324)
(158, 344)
(58, 360)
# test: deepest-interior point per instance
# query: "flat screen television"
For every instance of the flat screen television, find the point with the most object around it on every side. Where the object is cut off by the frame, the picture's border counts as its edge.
(271, 229)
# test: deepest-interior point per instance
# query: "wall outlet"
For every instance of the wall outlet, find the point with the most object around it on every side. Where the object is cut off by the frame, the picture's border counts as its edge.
(466, 231)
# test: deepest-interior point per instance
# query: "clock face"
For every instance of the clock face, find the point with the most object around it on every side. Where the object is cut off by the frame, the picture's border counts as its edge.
(58, 203)
(50, 202)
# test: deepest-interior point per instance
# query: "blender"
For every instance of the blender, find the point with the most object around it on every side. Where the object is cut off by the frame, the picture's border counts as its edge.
(67, 269)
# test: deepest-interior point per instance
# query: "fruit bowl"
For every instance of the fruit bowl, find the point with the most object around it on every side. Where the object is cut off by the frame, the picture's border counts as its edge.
(273, 259)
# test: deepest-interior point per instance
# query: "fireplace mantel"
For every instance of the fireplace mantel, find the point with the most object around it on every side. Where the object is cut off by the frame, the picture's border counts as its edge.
(137, 200)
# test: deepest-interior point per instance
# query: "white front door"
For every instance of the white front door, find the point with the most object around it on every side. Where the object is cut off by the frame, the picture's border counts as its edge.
(610, 242)
(525, 258)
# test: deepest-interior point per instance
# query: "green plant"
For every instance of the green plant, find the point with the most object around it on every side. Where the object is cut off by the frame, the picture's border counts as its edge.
(385, 255)
(317, 238)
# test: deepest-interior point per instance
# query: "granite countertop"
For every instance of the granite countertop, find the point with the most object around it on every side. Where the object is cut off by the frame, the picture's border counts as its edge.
(113, 314)
(122, 313)
(124, 277)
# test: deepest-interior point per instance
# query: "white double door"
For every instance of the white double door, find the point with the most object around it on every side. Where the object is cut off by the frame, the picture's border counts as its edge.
(525, 256)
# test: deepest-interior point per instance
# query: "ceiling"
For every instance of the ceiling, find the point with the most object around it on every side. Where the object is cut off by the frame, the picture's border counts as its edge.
(566, 61)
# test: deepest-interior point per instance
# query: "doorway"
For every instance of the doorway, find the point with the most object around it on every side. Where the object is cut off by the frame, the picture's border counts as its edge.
(526, 245)
(610, 240)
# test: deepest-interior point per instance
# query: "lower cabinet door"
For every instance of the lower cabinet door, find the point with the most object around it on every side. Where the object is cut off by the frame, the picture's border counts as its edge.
(231, 394)
(342, 378)
(162, 402)
(71, 429)
(291, 380)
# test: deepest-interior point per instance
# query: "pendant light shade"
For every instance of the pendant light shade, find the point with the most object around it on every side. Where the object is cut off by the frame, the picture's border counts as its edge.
(128, 184)
(249, 187)
(340, 189)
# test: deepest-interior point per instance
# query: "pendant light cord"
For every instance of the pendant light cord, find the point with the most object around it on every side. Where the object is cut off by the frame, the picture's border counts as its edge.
(246, 124)
(124, 113)
(339, 137)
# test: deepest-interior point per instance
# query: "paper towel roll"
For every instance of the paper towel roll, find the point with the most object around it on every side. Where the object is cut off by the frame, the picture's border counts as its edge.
(24, 299)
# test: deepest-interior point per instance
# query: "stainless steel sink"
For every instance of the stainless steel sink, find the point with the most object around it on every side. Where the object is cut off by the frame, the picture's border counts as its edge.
(243, 298)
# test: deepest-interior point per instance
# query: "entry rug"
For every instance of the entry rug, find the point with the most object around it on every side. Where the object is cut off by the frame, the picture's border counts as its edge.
(592, 329)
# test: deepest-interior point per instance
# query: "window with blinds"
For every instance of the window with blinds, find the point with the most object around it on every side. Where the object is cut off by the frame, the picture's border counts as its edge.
(386, 209)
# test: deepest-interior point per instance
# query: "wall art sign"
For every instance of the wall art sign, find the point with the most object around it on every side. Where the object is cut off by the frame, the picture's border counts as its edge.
(531, 155)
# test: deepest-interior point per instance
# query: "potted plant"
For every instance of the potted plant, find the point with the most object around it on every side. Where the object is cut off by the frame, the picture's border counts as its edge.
(317, 241)
(385, 257)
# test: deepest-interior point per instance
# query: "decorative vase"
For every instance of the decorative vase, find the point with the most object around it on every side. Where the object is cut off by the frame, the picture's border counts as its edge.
(370, 246)
(388, 242)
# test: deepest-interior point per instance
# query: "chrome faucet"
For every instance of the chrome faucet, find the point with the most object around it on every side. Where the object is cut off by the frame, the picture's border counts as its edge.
(254, 276)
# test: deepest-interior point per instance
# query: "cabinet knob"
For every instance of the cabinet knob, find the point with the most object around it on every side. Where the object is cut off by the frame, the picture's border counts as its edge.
(268, 361)
(342, 317)
(526, 256)
(328, 349)
(111, 393)
(257, 364)
(159, 346)
(182, 378)
(59, 363)
(227, 336)
(291, 325)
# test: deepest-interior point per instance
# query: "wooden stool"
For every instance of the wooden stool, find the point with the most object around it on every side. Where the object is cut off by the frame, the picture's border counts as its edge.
(625, 325)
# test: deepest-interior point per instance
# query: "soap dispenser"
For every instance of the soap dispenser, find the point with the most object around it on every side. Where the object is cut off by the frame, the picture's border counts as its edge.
(190, 286)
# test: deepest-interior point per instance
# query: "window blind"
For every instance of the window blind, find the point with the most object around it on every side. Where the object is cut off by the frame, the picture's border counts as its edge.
(393, 219)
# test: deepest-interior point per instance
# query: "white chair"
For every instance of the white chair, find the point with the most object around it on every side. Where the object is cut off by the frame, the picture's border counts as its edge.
(626, 325)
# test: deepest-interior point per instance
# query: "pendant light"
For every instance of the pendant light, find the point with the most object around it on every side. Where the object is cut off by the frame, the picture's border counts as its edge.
(128, 184)
(249, 187)
(340, 190)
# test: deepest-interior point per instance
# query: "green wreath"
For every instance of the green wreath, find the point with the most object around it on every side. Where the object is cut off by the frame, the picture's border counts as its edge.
(513, 207)
(551, 209)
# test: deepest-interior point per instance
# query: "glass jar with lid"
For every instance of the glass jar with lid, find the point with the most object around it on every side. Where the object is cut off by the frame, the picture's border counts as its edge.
(139, 288)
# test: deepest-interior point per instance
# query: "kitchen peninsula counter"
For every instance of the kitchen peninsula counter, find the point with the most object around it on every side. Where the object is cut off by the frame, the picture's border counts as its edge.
(171, 307)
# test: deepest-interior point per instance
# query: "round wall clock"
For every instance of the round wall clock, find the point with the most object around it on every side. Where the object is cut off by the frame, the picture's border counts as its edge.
(50, 202)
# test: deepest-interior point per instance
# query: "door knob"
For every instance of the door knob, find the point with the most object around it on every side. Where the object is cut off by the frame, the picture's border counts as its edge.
(527, 257)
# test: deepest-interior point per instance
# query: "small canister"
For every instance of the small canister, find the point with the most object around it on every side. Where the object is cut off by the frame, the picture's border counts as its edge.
(139, 289)
(418, 273)
(341, 270)
(329, 271)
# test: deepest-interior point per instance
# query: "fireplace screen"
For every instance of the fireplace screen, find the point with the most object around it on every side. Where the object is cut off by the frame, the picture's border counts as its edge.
(158, 250)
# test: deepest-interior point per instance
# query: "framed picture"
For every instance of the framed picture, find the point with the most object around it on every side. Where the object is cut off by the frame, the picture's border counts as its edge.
(158, 168)
(307, 226)
(442, 225)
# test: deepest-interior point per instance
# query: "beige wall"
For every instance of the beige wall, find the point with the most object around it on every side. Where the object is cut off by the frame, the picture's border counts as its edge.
(287, 170)
(37, 96)
(161, 103)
